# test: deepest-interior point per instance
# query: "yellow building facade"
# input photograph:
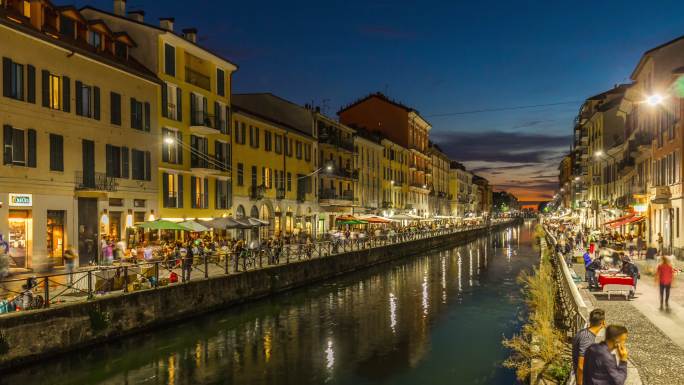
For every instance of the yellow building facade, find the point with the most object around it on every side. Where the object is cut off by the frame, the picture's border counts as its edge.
(195, 142)
(79, 124)
(367, 162)
(395, 181)
(274, 171)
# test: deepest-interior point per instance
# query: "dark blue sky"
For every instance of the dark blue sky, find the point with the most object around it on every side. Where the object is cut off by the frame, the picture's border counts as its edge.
(440, 57)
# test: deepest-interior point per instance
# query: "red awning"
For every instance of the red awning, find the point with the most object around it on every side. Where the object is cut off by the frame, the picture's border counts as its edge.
(627, 221)
(630, 215)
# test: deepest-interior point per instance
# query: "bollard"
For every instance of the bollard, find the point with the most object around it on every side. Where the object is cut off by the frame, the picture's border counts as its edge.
(46, 283)
(206, 266)
(225, 262)
(156, 275)
(125, 285)
(90, 284)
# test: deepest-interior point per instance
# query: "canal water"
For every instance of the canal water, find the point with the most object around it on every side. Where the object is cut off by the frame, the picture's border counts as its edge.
(437, 318)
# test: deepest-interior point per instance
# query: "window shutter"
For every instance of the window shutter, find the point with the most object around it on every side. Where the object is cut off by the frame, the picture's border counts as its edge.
(179, 147)
(165, 189)
(66, 94)
(180, 191)
(193, 193)
(6, 76)
(96, 102)
(179, 104)
(31, 160)
(31, 83)
(217, 117)
(115, 110)
(147, 116)
(79, 98)
(124, 162)
(165, 100)
(204, 109)
(109, 160)
(7, 144)
(193, 109)
(132, 110)
(148, 166)
(45, 75)
(206, 193)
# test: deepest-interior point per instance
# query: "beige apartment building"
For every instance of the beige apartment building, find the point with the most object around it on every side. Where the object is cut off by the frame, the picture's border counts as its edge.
(79, 134)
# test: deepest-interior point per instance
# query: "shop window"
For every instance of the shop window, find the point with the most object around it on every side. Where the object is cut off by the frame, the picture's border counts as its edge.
(19, 236)
(55, 235)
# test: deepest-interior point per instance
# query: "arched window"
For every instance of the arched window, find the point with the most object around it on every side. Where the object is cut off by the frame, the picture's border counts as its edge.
(240, 212)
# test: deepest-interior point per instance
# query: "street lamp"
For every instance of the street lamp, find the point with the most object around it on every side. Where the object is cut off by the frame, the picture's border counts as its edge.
(654, 100)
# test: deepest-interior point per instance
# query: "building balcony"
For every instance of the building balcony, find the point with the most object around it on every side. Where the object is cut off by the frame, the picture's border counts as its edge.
(98, 181)
(257, 192)
(202, 166)
(344, 173)
(335, 140)
(204, 124)
(197, 78)
(333, 198)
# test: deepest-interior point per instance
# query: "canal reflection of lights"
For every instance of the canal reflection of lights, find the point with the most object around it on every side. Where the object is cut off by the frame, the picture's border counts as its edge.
(329, 356)
(470, 268)
(393, 312)
(485, 255)
(172, 369)
(426, 298)
(478, 261)
(267, 345)
(460, 268)
(444, 282)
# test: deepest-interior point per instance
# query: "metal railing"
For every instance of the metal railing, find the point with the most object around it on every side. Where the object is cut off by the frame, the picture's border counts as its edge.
(97, 181)
(575, 312)
(169, 268)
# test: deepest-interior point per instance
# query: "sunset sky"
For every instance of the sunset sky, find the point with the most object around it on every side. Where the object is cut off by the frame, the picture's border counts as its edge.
(442, 58)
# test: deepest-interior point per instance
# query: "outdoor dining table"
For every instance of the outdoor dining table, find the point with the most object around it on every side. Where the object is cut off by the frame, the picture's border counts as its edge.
(616, 283)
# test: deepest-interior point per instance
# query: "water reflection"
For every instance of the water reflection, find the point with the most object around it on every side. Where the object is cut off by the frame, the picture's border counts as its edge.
(406, 323)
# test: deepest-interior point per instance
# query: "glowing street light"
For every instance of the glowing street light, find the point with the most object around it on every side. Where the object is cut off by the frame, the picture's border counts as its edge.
(169, 140)
(577, 178)
(598, 153)
(328, 168)
(654, 100)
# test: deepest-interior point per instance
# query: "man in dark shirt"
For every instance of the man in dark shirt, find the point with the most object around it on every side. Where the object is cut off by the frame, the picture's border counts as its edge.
(584, 339)
(600, 366)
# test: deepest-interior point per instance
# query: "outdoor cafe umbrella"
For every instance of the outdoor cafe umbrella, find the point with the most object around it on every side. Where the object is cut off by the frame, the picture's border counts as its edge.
(374, 219)
(351, 222)
(194, 226)
(161, 224)
(225, 223)
(257, 222)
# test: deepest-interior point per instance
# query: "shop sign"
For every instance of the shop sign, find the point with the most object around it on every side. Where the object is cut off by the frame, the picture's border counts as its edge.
(21, 200)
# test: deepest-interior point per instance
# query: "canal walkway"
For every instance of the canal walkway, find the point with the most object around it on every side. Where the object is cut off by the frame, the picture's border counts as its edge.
(656, 338)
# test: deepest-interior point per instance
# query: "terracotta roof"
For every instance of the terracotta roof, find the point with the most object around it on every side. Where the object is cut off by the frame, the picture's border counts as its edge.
(380, 96)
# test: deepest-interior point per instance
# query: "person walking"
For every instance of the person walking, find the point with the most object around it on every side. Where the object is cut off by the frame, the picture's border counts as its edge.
(186, 255)
(664, 277)
(632, 270)
(69, 263)
(600, 365)
(584, 339)
(660, 244)
(593, 267)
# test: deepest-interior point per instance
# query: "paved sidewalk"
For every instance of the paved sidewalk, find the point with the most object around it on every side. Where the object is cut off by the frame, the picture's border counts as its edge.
(656, 339)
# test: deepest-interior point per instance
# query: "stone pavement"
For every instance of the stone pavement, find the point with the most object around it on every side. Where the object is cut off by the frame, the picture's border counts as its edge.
(656, 339)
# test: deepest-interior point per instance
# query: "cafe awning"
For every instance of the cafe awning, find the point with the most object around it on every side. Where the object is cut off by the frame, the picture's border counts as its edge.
(633, 219)
(374, 219)
(194, 226)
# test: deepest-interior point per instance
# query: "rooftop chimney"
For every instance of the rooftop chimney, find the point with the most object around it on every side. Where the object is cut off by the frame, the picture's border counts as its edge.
(190, 34)
(120, 7)
(166, 23)
(138, 16)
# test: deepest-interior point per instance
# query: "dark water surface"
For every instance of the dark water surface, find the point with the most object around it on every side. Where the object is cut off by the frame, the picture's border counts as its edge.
(432, 319)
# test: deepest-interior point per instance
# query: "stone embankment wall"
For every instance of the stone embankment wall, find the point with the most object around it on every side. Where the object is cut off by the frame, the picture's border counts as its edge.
(34, 335)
